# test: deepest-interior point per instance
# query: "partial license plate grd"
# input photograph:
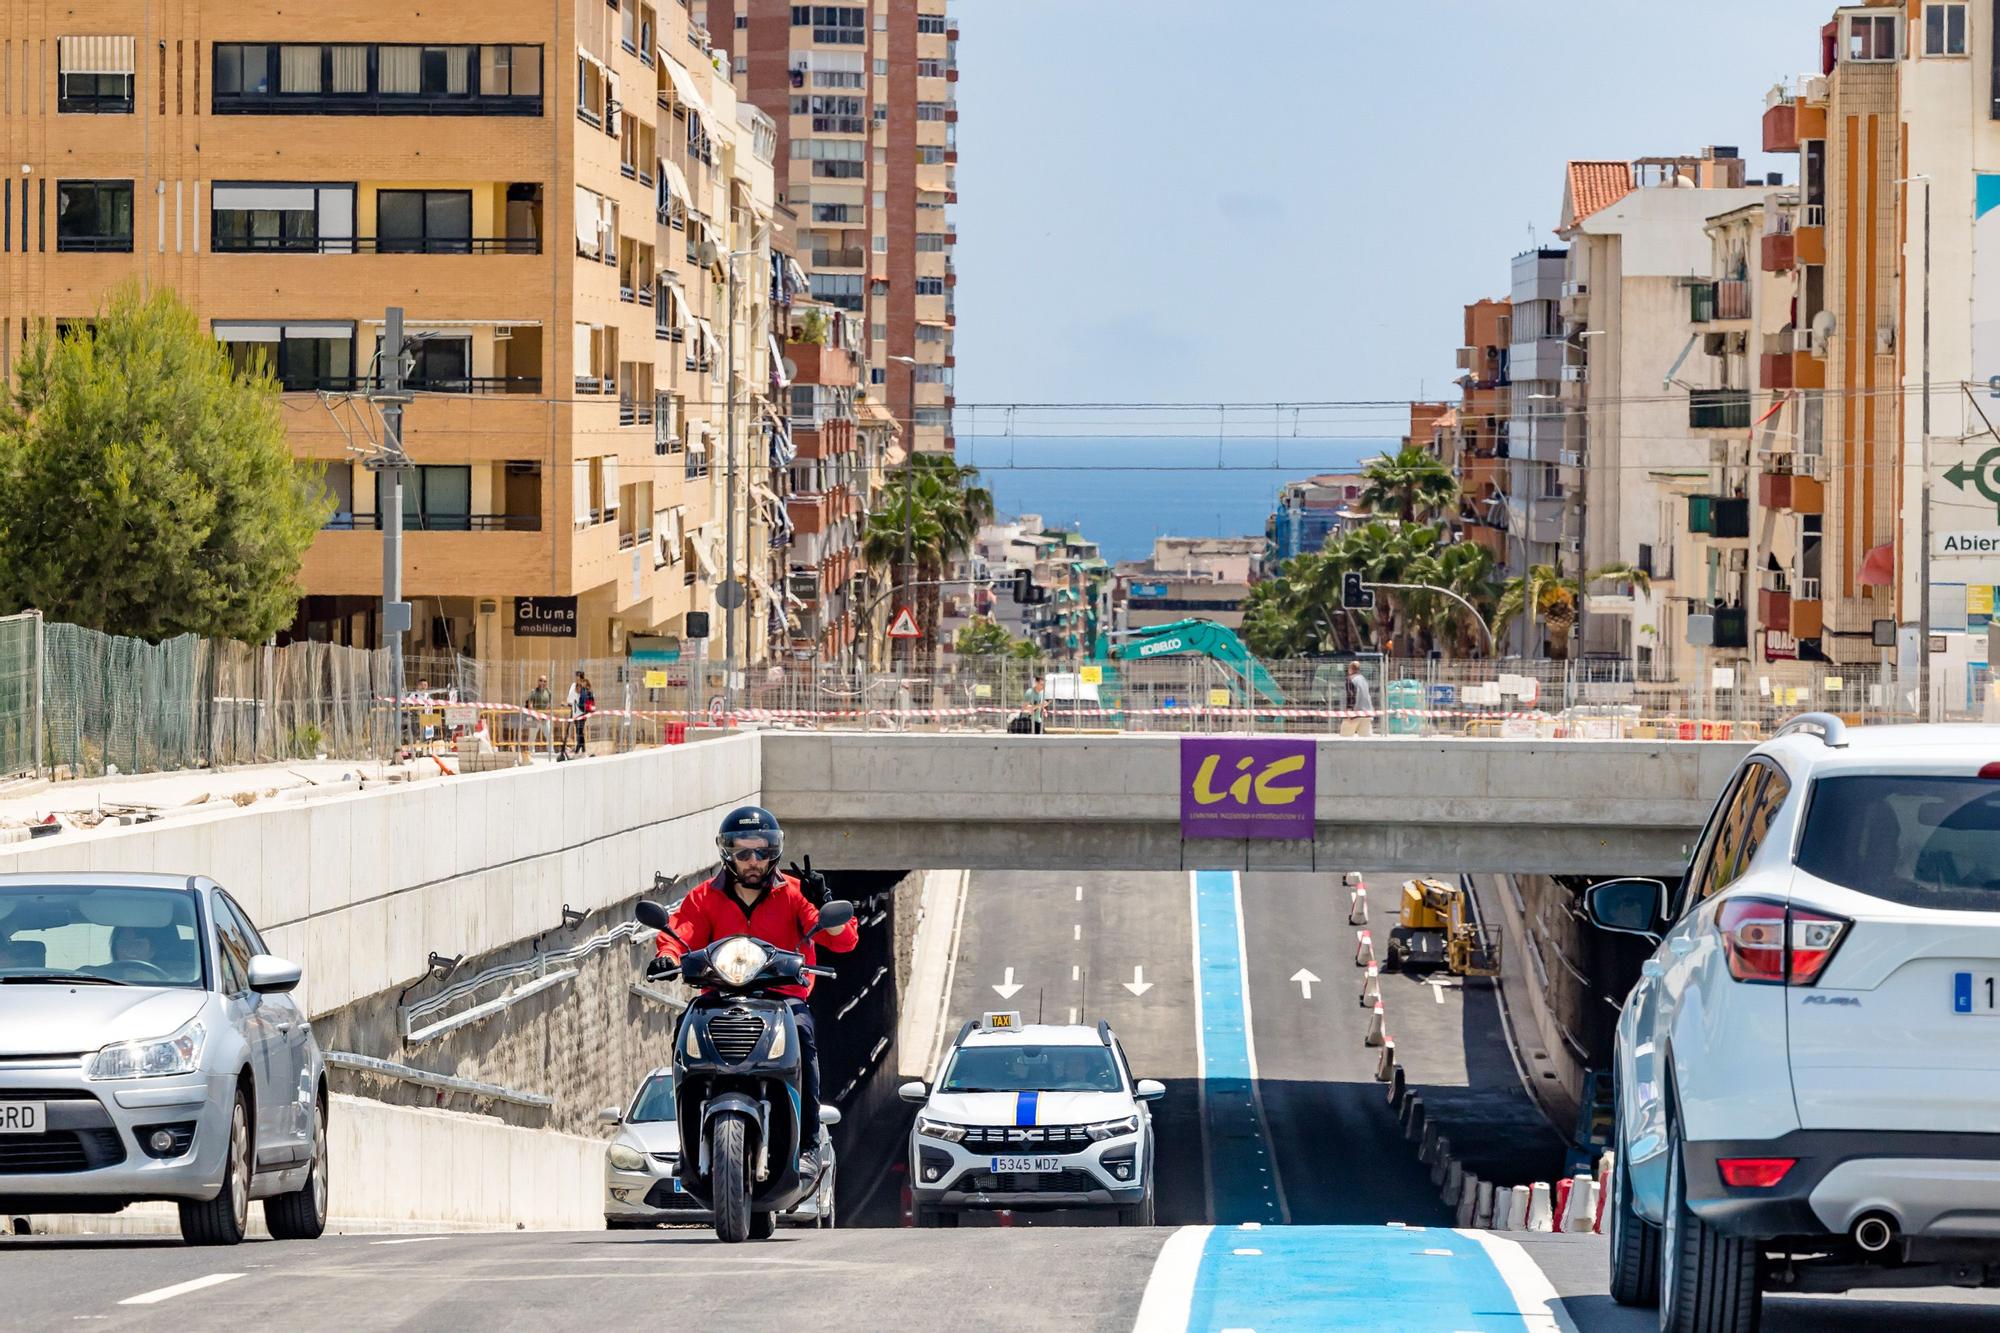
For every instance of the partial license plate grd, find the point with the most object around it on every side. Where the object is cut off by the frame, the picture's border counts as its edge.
(1975, 993)
(23, 1118)
(1015, 1166)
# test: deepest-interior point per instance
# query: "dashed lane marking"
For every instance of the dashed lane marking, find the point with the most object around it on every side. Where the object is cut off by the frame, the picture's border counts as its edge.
(157, 1295)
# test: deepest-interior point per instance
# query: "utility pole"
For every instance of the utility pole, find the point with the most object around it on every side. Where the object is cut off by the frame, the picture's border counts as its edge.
(388, 467)
(908, 574)
(730, 602)
(1924, 519)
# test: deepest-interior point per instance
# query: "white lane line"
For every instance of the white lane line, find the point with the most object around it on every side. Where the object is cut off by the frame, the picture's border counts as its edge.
(407, 1240)
(1076, 932)
(1200, 1046)
(1079, 893)
(1250, 1049)
(1541, 1308)
(1075, 972)
(1072, 1015)
(180, 1289)
(1170, 1290)
(950, 976)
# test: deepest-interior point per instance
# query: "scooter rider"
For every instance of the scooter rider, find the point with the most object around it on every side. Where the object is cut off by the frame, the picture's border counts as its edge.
(748, 895)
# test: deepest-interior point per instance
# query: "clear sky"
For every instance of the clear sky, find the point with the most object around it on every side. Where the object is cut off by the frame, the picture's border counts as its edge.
(1259, 200)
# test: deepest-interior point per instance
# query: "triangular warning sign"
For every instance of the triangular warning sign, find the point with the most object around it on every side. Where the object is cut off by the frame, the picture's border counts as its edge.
(904, 626)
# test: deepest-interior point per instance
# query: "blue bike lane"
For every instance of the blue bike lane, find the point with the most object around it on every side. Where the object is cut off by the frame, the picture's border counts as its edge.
(1242, 1169)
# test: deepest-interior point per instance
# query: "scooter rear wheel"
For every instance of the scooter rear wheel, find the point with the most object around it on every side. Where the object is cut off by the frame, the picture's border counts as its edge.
(763, 1225)
(729, 1152)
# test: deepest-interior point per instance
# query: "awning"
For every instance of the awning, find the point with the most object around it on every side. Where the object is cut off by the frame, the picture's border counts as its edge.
(778, 375)
(95, 55)
(763, 492)
(704, 334)
(684, 90)
(763, 586)
(783, 451)
(675, 180)
(704, 555)
(1878, 567)
(464, 323)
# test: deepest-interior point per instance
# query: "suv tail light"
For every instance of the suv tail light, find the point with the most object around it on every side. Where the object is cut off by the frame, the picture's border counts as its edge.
(1757, 1173)
(1776, 944)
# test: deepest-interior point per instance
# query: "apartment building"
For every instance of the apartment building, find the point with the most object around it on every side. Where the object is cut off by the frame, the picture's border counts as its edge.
(865, 95)
(1640, 259)
(558, 197)
(1311, 511)
(1540, 461)
(828, 482)
(1480, 437)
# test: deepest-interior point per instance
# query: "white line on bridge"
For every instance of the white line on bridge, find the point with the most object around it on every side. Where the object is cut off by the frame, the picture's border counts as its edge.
(1075, 972)
(1541, 1309)
(407, 1240)
(1077, 933)
(180, 1289)
(1170, 1290)
(1079, 893)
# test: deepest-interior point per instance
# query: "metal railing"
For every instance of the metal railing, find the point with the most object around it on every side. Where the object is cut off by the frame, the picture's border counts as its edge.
(434, 522)
(378, 245)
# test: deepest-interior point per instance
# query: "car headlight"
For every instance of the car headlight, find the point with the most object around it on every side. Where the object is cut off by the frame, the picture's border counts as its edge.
(627, 1159)
(940, 1129)
(177, 1054)
(738, 960)
(1111, 1129)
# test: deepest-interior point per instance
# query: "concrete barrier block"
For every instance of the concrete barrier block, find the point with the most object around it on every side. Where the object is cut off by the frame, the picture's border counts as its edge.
(1541, 1213)
(1427, 1145)
(1454, 1180)
(1440, 1158)
(1483, 1207)
(1517, 1210)
(1399, 1083)
(1468, 1201)
(1580, 1210)
(1414, 1118)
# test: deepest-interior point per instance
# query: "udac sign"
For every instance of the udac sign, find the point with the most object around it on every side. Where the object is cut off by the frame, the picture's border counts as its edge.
(1245, 788)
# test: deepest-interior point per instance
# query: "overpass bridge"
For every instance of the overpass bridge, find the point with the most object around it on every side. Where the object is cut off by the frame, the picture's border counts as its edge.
(1405, 805)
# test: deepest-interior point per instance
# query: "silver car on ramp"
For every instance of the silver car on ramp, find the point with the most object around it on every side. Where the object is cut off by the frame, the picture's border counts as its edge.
(150, 1049)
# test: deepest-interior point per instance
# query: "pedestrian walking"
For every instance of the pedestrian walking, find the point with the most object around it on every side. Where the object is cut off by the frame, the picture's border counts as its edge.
(1359, 701)
(582, 703)
(539, 703)
(1033, 705)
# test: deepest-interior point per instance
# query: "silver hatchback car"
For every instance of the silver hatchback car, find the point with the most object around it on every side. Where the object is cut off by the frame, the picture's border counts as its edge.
(150, 1049)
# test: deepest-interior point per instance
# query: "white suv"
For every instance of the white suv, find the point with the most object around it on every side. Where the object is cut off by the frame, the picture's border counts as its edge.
(1032, 1117)
(1808, 1069)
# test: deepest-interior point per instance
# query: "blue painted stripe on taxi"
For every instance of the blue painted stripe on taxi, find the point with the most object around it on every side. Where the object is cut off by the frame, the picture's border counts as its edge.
(1024, 1108)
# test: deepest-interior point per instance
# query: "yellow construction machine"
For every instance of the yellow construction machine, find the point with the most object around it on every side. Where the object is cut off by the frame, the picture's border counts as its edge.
(1436, 927)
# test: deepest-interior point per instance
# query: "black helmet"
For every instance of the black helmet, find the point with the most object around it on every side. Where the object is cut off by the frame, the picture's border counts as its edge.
(749, 821)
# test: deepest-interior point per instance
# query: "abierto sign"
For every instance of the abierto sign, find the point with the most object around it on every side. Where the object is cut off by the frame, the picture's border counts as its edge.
(545, 617)
(1244, 787)
(1980, 541)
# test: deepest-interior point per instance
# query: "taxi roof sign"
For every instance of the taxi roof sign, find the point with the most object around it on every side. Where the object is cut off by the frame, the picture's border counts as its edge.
(1009, 1021)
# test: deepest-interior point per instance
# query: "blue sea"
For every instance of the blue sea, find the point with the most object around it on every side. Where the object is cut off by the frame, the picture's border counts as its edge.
(1123, 492)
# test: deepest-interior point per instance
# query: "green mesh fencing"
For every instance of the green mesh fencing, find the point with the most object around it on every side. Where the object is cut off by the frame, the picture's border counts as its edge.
(20, 682)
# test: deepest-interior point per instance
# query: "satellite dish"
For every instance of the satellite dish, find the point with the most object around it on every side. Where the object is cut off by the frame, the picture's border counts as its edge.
(791, 369)
(709, 255)
(1823, 326)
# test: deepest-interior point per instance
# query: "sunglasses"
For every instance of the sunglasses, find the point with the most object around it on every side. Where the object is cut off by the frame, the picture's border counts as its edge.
(752, 854)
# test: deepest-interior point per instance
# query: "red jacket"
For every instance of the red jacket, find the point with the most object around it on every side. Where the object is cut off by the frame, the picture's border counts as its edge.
(781, 916)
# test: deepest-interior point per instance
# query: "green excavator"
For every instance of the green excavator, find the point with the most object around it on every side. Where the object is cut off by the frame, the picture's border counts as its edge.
(1190, 638)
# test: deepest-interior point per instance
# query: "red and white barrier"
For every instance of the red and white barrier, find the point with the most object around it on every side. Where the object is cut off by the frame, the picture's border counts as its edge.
(1371, 986)
(1357, 906)
(1378, 1026)
(1364, 949)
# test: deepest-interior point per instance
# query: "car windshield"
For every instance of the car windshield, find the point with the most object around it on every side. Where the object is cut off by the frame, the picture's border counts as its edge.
(1031, 1069)
(1920, 841)
(140, 937)
(655, 1101)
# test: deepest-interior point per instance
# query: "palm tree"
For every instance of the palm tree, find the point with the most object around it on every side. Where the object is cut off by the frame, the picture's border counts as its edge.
(1548, 593)
(1410, 486)
(944, 508)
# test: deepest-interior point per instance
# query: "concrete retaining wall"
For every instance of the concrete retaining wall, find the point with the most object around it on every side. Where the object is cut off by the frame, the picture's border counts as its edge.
(403, 1168)
(360, 887)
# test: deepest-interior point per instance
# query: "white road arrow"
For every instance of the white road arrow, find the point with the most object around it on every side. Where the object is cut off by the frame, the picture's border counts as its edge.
(1305, 980)
(1008, 988)
(1138, 985)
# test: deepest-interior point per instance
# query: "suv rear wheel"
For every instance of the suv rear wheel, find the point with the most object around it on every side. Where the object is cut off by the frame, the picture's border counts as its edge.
(1635, 1244)
(1708, 1281)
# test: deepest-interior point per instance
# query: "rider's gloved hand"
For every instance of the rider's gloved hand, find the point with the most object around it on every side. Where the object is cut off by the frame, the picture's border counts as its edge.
(661, 966)
(811, 882)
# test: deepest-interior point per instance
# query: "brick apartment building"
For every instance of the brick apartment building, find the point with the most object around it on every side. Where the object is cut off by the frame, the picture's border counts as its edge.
(552, 192)
(864, 97)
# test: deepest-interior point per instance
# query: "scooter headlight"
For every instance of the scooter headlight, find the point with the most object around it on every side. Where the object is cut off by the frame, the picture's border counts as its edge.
(738, 960)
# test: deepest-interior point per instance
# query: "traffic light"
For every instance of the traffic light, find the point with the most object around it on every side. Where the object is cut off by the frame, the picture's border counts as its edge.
(1024, 586)
(1353, 596)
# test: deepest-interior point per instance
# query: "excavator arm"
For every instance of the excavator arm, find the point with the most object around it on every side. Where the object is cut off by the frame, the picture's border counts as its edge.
(1198, 638)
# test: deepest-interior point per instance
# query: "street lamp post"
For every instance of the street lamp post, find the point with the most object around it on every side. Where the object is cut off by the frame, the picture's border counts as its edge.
(730, 664)
(1924, 485)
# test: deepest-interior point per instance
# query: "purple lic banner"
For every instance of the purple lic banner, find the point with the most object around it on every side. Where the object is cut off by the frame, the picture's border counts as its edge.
(1244, 787)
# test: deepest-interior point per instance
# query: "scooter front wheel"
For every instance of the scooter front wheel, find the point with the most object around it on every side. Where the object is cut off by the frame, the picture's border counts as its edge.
(729, 1155)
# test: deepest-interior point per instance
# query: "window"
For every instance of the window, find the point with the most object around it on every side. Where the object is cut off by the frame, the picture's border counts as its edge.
(930, 23)
(1944, 30)
(930, 69)
(834, 159)
(838, 289)
(302, 357)
(881, 245)
(837, 25)
(259, 78)
(839, 69)
(234, 947)
(75, 929)
(94, 215)
(930, 155)
(930, 286)
(877, 374)
(1872, 38)
(592, 91)
(435, 499)
(931, 242)
(423, 222)
(295, 219)
(440, 364)
(831, 115)
(835, 213)
(94, 75)
(1921, 841)
(932, 110)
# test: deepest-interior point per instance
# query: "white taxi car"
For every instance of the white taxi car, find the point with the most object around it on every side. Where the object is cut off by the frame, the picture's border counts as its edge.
(1032, 1117)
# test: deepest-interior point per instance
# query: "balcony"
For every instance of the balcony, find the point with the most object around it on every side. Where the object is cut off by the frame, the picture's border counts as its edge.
(1723, 517)
(1774, 609)
(1806, 614)
(1780, 252)
(433, 521)
(1719, 409)
(1718, 302)
(377, 245)
(1774, 369)
(1781, 127)
(1732, 627)
(1811, 234)
(854, 258)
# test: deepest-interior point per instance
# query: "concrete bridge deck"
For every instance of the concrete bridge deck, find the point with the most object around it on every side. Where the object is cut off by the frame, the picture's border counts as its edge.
(1113, 802)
